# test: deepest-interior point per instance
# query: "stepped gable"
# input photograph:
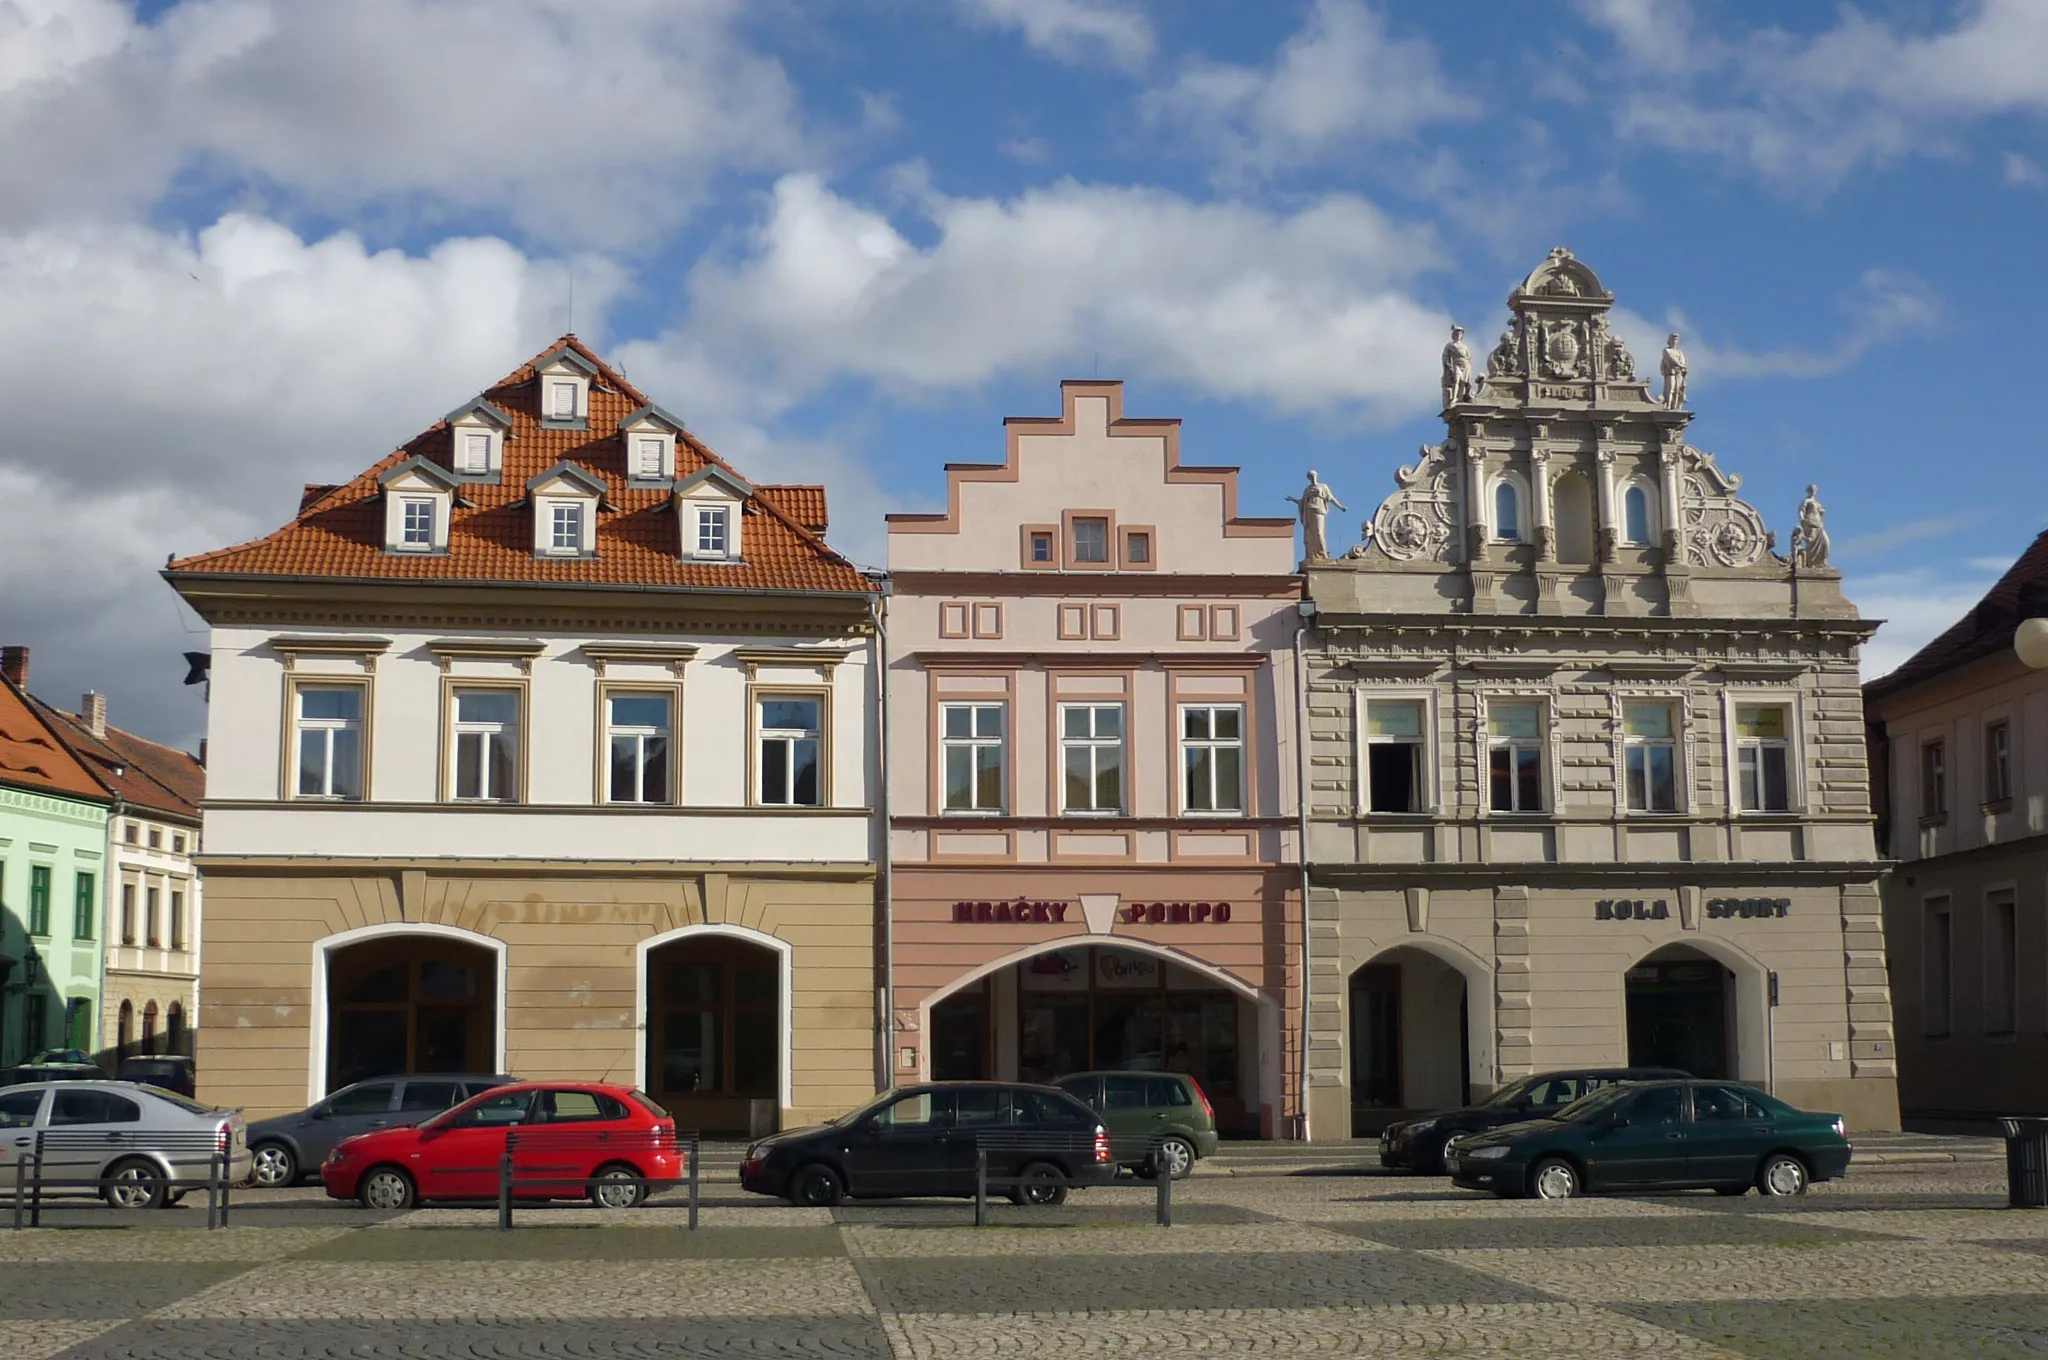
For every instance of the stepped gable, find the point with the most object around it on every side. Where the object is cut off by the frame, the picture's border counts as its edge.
(338, 533)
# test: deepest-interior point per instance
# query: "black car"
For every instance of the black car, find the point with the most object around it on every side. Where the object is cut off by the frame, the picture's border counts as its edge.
(1418, 1144)
(166, 1070)
(922, 1140)
(288, 1147)
(51, 1071)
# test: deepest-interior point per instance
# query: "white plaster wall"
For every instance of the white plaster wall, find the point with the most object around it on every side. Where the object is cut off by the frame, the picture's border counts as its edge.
(367, 832)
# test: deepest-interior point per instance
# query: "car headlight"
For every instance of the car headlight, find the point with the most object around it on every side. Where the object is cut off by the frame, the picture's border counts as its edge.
(1488, 1154)
(1841, 1129)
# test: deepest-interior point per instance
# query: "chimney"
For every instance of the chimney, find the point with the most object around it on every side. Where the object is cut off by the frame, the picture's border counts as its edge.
(202, 753)
(93, 708)
(14, 665)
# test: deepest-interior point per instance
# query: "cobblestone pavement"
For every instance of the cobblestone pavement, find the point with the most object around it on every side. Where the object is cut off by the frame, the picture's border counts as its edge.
(1907, 1259)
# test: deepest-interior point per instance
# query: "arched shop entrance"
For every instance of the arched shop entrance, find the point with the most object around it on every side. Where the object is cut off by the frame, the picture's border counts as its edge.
(714, 1033)
(1099, 1007)
(1410, 1041)
(1681, 1013)
(407, 1003)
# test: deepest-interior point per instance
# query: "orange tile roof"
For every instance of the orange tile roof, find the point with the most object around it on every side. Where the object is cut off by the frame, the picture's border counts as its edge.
(339, 531)
(32, 756)
(142, 773)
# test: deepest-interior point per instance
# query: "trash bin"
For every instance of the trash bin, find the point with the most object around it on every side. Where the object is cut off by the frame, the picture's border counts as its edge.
(2026, 1162)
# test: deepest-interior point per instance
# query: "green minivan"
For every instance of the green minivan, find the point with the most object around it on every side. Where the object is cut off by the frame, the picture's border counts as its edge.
(1148, 1110)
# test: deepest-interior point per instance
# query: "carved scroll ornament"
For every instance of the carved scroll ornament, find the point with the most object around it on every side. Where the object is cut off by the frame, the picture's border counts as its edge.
(1719, 528)
(1420, 520)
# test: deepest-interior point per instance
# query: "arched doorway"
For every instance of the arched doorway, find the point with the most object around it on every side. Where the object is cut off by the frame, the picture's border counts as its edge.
(149, 1014)
(409, 1003)
(1681, 1013)
(715, 1032)
(1410, 1038)
(124, 1032)
(174, 1029)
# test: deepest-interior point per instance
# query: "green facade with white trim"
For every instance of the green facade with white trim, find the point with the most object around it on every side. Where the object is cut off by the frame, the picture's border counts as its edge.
(53, 884)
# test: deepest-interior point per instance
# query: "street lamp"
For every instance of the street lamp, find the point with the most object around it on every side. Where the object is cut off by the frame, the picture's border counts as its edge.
(31, 968)
(2030, 640)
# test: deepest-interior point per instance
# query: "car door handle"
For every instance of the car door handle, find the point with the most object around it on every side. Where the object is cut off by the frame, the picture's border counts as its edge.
(1674, 1135)
(380, 1123)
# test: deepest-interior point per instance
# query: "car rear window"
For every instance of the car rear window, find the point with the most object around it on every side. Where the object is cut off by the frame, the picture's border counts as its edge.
(429, 1095)
(649, 1104)
(182, 1102)
(1030, 1106)
(577, 1107)
(1168, 1091)
(93, 1107)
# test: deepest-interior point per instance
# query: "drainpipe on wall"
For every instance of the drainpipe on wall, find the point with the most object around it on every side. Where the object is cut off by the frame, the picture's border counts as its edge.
(885, 989)
(1306, 612)
(109, 877)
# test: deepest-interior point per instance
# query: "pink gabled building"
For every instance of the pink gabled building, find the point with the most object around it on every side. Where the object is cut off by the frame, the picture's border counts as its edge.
(1093, 768)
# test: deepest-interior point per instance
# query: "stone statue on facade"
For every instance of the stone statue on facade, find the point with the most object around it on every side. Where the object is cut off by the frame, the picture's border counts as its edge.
(1615, 359)
(1457, 379)
(1810, 540)
(1673, 368)
(1506, 359)
(1315, 502)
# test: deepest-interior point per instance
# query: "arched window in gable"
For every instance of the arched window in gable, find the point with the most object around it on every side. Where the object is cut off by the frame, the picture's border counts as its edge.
(1507, 512)
(1636, 529)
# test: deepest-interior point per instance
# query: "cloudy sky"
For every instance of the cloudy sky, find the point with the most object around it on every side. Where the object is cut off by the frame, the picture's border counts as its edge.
(247, 244)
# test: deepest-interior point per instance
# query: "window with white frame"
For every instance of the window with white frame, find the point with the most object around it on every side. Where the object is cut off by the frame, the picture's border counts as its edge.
(485, 749)
(1934, 778)
(565, 527)
(650, 453)
(1514, 756)
(1091, 539)
(789, 729)
(1635, 516)
(714, 530)
(417, 530)
(1092, 758)
(1212, 758)
(1507, 512)
(328, 728)
(1763, 758)
(561, 402)
(973, 753)
(639, 727)
(1998, 761)
(1395, 755)
(475, 453)
(1649, 757)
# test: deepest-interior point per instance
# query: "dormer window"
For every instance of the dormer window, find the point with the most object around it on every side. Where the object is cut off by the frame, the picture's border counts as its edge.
(649, 453)
(476, 450)
(566, 527)
(418, 531)
(418, 497)
(561, 399)
(563, 380)
(565, 502)
(649, 436)
(714, 535)
(708, 509)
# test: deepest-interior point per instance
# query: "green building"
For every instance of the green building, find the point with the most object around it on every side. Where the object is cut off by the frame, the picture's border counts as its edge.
(53, 849)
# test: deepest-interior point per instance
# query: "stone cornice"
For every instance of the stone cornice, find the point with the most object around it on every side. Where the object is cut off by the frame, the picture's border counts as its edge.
(53, 805)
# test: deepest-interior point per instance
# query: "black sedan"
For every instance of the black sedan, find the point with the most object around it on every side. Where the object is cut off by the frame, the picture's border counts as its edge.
(1418, 1144)
(922, 1140)
(1666, 1135)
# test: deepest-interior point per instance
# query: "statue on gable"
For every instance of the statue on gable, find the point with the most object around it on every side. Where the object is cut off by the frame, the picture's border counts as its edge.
(1810, 540)
(1457, 380)
(1506, 359)
(1315, 502)
(1673, 368)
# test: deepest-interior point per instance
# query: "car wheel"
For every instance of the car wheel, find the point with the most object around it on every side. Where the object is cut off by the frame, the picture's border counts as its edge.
(1045, 1185)
(135, 1184)
(1782, 1174)
(1553, 1178)
(273, 1166)
(816, 1187)
(1179, 1156)
(386, 1189)
(1731, 1189)
(618, 1186)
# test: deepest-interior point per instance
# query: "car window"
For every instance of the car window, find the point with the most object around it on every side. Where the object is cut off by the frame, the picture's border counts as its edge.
(925, 1110)
(978, 1107)
(429, 1095)
(1661, 1105)
(1724, 1103)
(1087, 1090)
(18, 1109)
(1125, 1093)
(650, 1104)
(1556, 1091)
(93, 1107)
(1169, 1092)
(182, 1102)
(1041, 1107)
(372, 1097)
(576, 1107)
(494, 1111)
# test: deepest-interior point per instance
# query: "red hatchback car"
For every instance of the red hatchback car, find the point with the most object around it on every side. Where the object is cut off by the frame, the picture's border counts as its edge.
(568, 1139)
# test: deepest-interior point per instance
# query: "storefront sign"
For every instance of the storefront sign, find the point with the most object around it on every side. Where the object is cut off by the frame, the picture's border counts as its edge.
(1021, 910)
(1114, 968)
(1177, 913)
(1637, 910)
(1748, 908)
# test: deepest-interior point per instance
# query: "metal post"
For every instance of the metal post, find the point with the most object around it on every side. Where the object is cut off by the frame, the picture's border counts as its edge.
(20, 1186)
(505, 1185)
(1162, 1176)
(696, 1147)
(980, 1186)
(227, 1187)
(35, 1190)
(212, 1190)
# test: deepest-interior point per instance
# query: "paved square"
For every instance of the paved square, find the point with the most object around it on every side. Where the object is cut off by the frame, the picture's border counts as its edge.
(1895, 1261)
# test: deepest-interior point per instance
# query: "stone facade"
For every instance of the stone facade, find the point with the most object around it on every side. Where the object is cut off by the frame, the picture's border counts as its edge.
(1587, 783)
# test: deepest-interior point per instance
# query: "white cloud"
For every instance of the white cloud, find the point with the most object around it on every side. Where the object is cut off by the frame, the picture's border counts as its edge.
(1899, 535)
(587, 120)
(1916, 607)
(2023, 172)
(1342, 80)
(1079, 31)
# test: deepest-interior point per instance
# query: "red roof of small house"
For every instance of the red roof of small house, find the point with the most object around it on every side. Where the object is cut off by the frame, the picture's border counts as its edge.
(32, 756)
(338, 533)
(141, 773)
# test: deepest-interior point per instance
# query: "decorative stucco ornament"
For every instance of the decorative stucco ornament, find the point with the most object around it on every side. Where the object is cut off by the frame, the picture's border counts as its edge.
(1419, 520)
(1810, 539)
(1563, 355)
(1506, 359)
(1718, 528)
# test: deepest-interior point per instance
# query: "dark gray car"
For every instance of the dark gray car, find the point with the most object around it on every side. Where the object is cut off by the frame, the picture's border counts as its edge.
(289, 1147)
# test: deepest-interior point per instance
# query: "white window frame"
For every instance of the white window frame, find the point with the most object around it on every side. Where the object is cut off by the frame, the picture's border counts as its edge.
(1524, 531)
(483, 731)
(1733, 699)
(1540, 744)
(469, 442)
(1675, 705)
(2000, 761)
(1650, 526)
(644, 441)
(1094, 744)
(1108, 558)
(1212, 743)
(721, 517)
(972, 747)
(406, 528)
(565, 515)
(300, 725)
(640, 734)
(556, 386)
(1430, 792)
(789, 738)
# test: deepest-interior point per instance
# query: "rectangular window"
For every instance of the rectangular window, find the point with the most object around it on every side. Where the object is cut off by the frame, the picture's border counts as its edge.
(1649, 757)
(973, 751)
(476, 451)
(1091, 539)
(132, 834)
(1041, 547)
(1936, 966)
(1138, 549)
(39, 899)
(127, 913)
(562, 400)
(177, 845)
(419, 524)
(1212, 758)
(1998, 762)
(84, 906)
(2001, 972)
(647, 458)
(565, 528)
(789, 729)
(1514, 756)
(1092, 757)
(638, 732)
(156, 838)
(152, 899)
(1762, 759)
(329, 727)
(176, 931)
(1394, 753)
(1933, 779)
(486, 745)
(713, 523)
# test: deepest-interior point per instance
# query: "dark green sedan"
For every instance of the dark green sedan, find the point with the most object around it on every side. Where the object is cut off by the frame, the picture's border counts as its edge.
(1659, 1135)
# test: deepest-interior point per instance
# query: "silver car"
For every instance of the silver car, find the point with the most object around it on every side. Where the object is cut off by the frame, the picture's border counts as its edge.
(136, 1139)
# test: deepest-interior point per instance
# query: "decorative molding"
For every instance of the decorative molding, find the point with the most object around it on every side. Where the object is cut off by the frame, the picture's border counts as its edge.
(673, 655)
(821, 659)
(522, 650)
(365, 649)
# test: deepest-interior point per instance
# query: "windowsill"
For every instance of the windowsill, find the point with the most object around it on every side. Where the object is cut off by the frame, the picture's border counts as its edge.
(1418, 815)
(564, 555)
(321, 798)
(1772, 815)
(1935, 819)
(1653, 814)
(1996, 806)
(1091, 814)
(397, 550)
(1519, 814)
(564, 423)
(973, 814)
(716, 559)
(1215, 815)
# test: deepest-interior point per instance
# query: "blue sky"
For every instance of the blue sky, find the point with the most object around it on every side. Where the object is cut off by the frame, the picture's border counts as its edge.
(246, 244)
